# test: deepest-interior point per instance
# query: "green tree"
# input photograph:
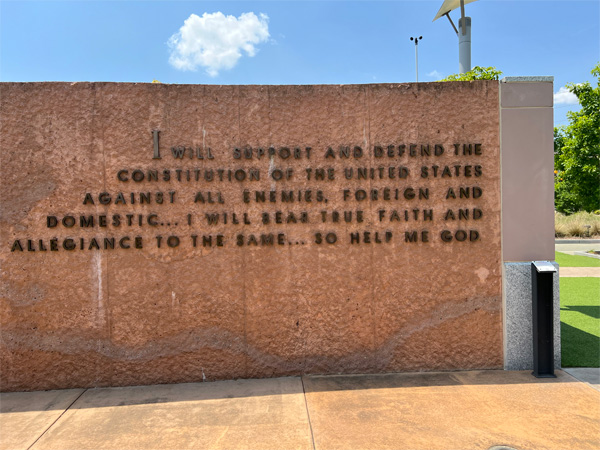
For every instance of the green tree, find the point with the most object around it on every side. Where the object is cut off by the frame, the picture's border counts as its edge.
(577, 152)
(476, 73)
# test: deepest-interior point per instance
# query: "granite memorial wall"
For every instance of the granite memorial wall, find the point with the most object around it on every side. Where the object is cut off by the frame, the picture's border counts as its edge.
(175, 233)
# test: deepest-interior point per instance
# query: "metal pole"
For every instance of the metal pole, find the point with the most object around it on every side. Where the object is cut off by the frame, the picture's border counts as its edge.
(464, 44)
(462, 11)
(451, 23)
(417, 39)
(417, 58)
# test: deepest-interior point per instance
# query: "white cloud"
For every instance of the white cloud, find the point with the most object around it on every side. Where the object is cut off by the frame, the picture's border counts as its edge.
(564, 96)
(215, 41)
(435, 74)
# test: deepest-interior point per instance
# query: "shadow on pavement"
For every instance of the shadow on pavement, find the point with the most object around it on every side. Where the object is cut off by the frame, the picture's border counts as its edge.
(236, 389)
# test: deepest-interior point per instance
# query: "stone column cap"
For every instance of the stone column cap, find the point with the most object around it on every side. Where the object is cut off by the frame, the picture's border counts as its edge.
(543, 79)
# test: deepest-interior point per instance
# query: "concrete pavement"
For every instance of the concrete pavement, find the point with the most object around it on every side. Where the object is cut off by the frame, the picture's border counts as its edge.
(573, 246)
(443, 410)
(589, 375)
(579, 272)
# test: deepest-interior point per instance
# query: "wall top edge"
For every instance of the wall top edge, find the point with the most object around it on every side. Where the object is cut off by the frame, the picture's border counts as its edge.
(548, 79)
(158, 85)
(526, 263)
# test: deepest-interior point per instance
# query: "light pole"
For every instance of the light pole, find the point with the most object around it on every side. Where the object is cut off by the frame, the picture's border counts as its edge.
(463, 32)
(417, 39)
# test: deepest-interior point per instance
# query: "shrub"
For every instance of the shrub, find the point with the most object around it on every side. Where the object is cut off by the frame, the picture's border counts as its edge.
(581, 224)
(476, 73)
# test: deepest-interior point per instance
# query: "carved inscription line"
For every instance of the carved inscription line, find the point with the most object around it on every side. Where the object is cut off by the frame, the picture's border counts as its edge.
(198, 224)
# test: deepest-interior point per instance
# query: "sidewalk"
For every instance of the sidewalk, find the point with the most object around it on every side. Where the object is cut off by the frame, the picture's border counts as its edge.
(579, 272)
(578, 247)
(573, 246)
(444, 410)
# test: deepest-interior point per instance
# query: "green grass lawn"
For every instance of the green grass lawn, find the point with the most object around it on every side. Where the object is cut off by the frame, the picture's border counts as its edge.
(579, 314)
(565, 260)
(580, 321)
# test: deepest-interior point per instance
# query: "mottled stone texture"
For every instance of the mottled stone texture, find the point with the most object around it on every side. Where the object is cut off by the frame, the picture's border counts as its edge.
(92, 317)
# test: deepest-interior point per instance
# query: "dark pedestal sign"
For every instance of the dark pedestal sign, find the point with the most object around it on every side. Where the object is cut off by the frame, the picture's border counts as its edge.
(542, 274)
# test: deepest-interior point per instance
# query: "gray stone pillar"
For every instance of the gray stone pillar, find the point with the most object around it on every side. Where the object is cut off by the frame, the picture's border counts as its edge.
(527, 162)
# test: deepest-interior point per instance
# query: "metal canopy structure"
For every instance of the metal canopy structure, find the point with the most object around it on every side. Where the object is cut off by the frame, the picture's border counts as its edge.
(464, 35)
(450, 5)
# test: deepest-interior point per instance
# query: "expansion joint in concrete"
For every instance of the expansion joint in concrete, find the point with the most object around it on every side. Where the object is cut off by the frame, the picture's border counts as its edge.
(57, 419)
(312, 435)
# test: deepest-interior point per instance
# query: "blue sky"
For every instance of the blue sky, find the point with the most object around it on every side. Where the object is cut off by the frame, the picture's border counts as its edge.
(292, 42)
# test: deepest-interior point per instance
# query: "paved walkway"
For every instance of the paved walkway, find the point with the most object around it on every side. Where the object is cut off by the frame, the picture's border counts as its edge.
(575, 246)
(579, 272)
(589, 375)
(578, 247)
(449, 410)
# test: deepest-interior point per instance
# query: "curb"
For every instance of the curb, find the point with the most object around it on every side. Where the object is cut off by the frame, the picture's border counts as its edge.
(577, 241)
(589, 255)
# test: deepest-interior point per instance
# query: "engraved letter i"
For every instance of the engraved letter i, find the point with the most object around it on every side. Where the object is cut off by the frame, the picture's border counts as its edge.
(155, 138)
